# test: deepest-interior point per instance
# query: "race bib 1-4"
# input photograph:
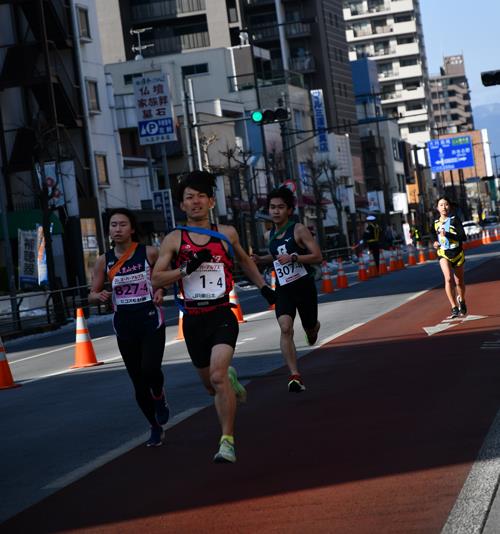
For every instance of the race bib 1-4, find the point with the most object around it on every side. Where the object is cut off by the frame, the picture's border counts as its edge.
(208, 282)
(289, 272)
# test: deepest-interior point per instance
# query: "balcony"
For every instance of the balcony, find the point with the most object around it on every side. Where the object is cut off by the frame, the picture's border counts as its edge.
(178, 43)
(162, 9)
(303, 64)
(57, 17)
(297, 29)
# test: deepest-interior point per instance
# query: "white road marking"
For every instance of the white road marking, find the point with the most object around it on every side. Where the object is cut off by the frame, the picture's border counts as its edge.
(83, 470)
(441, 327)
(52, 351)
(450, 322)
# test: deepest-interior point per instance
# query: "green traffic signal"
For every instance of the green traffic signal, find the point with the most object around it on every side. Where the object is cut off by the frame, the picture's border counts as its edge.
(257, 116)
(267, 116)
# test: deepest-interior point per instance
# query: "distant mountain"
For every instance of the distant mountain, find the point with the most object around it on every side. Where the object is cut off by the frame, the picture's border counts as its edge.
(488, 116)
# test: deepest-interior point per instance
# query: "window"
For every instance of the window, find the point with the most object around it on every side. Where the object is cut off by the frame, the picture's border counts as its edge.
(408, 62)
(189, 70)
(129, 78)
(102, 169)
(414, 128)
(83, 23)
(395, 149)
(93, 96)
(403, 18)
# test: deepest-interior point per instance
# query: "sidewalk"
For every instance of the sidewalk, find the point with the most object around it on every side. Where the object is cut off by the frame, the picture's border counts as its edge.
(383, 440)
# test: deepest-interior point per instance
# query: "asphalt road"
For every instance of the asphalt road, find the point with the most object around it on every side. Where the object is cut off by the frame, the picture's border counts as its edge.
(62, 424)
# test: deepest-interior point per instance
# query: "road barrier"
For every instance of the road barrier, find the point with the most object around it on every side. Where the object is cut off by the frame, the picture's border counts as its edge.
(326, 278)
(6, 380)
(342, 281)
(235, 305)
(84, 350)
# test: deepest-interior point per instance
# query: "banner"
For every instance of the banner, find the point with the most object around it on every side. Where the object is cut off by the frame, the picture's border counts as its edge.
(27, 242)
(43, 278)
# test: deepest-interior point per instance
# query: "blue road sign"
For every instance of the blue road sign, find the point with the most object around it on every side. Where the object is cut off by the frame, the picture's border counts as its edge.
(450, 153)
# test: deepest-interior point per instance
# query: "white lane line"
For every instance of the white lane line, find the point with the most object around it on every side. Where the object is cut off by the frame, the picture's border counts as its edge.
(341, 333)
(52, 351)
(41, 354)
(470, 513)
(87, 468)
(418, 294)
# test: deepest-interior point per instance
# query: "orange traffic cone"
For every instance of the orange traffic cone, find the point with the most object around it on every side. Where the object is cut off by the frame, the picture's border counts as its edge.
(235, 305)
(431, 254)
(421, 254)
(382, 267)
(412, 260)
(180, 332)
(372, 268)
(362, 274)
(399, 258)
(273, 287)
(6, 380)
(393, 264)
(342, 281)
(84, 350)
(326, 279)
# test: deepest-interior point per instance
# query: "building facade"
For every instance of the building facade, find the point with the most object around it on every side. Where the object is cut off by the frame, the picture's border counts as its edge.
(451, 103)
(390, 32)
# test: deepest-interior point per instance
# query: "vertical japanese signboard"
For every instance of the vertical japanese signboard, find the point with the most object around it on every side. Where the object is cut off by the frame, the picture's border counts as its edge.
(320, 124)
(153, 105)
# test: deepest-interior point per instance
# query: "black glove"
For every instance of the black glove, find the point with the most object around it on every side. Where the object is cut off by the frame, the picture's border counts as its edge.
(268, 294)
(197, 259)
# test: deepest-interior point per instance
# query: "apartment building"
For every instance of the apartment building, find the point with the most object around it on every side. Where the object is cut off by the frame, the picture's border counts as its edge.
(390, 32)
(451, 103)
(309, 38)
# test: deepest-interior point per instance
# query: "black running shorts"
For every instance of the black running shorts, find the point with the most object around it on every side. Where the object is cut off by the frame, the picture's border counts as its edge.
(202, 332)
(300, 296)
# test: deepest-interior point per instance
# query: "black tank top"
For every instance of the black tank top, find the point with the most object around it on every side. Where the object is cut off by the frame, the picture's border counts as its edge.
(131, 286)
(284, 243)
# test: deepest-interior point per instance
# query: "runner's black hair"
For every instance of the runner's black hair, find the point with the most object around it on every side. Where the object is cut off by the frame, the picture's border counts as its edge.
(284, 193)
(202, 181)
(444, 197)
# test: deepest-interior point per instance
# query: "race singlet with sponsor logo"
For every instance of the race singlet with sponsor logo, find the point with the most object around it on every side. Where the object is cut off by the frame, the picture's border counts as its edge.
(208, 282)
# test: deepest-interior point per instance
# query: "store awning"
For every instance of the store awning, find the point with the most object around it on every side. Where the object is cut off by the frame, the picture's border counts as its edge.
(28, 220)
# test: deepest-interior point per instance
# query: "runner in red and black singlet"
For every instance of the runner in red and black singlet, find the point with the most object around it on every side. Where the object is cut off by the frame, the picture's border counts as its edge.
(199, 258)
(293, 251)
(138, 319)
(210, 288)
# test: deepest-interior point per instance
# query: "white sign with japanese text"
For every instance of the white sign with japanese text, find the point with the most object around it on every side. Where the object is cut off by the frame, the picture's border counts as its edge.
(153, 106)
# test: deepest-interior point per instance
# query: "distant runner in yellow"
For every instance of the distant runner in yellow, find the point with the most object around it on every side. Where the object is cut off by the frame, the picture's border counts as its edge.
(449, 235)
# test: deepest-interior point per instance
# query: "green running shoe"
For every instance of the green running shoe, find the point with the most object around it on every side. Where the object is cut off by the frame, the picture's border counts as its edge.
(241, 392)
(226, 454)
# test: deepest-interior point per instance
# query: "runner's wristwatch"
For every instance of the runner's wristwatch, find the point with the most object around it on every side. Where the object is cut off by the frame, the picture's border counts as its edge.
(294, 256)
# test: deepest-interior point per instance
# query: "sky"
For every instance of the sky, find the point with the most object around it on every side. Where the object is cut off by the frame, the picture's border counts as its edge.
(468, 27)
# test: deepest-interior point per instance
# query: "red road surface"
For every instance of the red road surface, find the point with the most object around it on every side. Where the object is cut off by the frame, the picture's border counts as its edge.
(381, 441)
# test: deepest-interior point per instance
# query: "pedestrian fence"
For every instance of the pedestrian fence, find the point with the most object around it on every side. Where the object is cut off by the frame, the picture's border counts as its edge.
(44, 310)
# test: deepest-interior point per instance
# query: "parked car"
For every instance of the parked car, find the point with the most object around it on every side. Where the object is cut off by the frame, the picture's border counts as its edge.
(471, 228)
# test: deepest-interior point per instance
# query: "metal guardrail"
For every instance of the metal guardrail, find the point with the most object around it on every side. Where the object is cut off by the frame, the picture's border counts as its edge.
(55, 309)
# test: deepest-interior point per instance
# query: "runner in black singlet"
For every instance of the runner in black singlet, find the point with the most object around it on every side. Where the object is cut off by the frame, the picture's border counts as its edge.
(292, 251)
(199, 258)
(138, 318)
(448, 238)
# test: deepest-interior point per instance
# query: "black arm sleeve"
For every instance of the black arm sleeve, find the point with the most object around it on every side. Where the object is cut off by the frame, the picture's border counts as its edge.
(462, 236)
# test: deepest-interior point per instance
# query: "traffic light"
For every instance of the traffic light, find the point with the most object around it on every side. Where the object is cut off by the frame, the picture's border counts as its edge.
(266, 116)
(490, 77)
